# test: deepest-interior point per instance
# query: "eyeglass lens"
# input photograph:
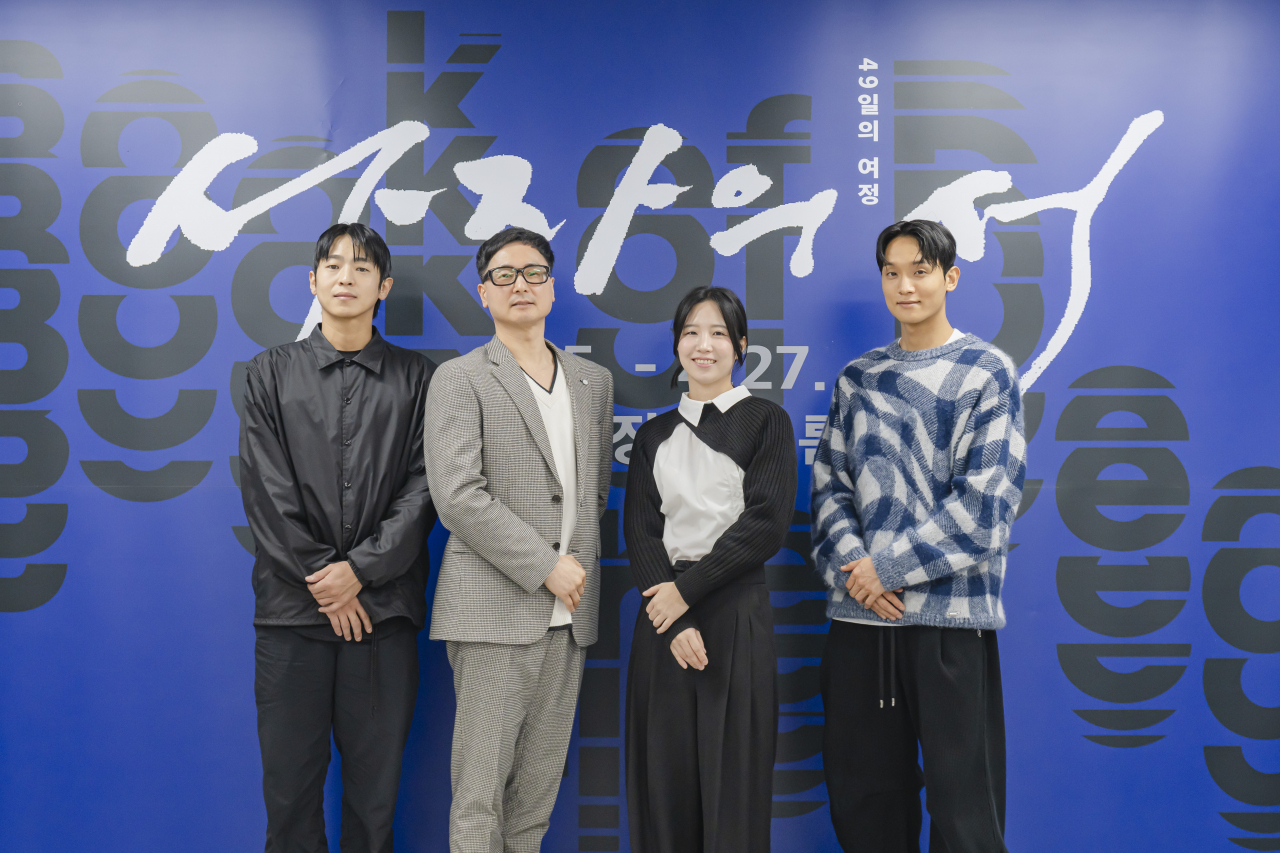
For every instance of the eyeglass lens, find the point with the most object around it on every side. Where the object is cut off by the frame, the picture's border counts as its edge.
(533, 274)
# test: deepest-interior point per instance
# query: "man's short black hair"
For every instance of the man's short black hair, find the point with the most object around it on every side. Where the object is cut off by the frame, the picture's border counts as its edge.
(735, 320)
(532, 239)
(363, 239)
(937, 246)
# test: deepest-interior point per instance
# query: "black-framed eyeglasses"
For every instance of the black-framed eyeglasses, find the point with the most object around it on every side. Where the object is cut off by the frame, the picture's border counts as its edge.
(506, 276)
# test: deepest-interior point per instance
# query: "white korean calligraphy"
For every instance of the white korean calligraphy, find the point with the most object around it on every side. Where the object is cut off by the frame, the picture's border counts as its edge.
(953, 206)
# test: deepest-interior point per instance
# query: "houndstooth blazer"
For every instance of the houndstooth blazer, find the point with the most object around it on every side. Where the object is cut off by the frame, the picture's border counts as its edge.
(494, 483)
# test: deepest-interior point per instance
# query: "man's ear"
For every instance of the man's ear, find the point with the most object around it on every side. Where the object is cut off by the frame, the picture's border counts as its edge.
(953, 278)
(385, 287)
(480, 290)
(311, 276)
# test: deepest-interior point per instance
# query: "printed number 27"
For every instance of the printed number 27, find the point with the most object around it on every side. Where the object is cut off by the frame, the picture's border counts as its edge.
(766, 358)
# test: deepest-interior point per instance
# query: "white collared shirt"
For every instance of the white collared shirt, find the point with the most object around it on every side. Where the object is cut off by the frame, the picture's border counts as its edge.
(701, 488)
(557, 416)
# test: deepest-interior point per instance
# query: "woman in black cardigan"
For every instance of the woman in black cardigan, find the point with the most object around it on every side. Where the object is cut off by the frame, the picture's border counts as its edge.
(710, 495)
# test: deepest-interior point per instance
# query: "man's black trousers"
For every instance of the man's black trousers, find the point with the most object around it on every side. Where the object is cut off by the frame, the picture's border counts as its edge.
(361, 692)
(887, 691)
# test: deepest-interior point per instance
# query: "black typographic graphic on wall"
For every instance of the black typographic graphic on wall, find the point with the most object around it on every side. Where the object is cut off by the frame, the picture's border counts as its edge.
(165, 477)
(1242, 495)
(25, 323)
(918, 137)
(425, 282)
(1124, 427)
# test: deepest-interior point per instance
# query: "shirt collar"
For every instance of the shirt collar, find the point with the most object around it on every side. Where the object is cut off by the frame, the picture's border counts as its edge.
(691, 410)
(325, 355)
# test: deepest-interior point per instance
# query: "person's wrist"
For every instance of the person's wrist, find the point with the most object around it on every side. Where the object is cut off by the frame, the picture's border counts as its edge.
(891, 573)
(357, 574)
(686, 595)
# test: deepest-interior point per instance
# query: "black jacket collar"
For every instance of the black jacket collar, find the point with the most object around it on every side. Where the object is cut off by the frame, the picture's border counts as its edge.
(325, 355)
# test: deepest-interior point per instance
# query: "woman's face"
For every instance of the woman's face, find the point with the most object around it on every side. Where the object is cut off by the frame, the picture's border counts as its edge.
(706, 351)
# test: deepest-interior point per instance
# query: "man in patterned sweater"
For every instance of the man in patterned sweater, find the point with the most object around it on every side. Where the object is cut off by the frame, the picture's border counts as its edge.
(916, 482)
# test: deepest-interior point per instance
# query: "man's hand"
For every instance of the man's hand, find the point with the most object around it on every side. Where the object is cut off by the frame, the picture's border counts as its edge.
(350, 620)
(865, 587)
(665, 606)
(567, 580)
(334, 586)
(689, 650)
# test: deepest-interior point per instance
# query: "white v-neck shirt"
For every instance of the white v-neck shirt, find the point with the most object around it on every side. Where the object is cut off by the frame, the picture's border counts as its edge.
(557, 417)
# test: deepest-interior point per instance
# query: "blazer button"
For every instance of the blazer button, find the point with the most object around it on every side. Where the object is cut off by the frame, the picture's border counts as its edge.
(555, 499)
(555, 545)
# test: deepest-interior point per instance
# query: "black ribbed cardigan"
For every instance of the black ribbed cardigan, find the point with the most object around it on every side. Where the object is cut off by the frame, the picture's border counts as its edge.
(757, 435)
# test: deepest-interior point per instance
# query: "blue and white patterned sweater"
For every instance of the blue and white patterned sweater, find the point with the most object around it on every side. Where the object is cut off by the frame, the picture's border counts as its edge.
(921, 466)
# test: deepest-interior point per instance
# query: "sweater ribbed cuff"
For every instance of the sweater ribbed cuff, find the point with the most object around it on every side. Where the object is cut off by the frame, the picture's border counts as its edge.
(693, 586)
(844, 559)
(891, 570)
(679, 626)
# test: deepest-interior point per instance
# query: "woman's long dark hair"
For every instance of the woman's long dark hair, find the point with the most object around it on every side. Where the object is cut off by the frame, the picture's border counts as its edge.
(735, 320)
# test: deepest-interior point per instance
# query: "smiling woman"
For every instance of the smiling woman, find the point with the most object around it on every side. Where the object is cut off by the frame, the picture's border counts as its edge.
(709, 337)
(710, 494)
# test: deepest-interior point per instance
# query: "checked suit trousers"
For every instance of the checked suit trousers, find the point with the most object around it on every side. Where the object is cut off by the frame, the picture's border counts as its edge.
(510, 739)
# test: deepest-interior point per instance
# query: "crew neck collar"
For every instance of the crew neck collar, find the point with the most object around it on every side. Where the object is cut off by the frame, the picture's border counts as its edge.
(958, 340)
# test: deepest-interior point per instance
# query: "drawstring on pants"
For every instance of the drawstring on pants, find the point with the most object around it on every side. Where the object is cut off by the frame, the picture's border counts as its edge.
(893, 689)
(880, 664)
(893, 668)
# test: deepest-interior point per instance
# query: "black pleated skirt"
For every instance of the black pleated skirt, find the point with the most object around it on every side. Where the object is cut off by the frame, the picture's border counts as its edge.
(700, 745)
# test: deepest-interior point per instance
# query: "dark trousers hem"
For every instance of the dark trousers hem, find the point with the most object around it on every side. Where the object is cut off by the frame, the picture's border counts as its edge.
(700, 745)
(942, 699)
(308, 689)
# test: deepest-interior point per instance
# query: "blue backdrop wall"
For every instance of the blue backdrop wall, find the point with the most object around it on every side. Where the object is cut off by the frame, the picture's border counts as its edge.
(1143, 595)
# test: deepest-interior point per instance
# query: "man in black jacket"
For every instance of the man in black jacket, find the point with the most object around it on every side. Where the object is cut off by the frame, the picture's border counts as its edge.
(335, 489)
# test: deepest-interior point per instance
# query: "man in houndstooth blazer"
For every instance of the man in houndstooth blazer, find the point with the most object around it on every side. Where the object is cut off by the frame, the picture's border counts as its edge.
(519, 452)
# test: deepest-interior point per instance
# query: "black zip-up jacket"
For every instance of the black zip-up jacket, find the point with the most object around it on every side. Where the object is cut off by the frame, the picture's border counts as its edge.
(332, 469)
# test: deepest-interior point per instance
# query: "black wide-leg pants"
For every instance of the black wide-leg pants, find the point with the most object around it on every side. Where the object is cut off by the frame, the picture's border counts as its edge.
(307, 688)
(700, 745)
(887, 690)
